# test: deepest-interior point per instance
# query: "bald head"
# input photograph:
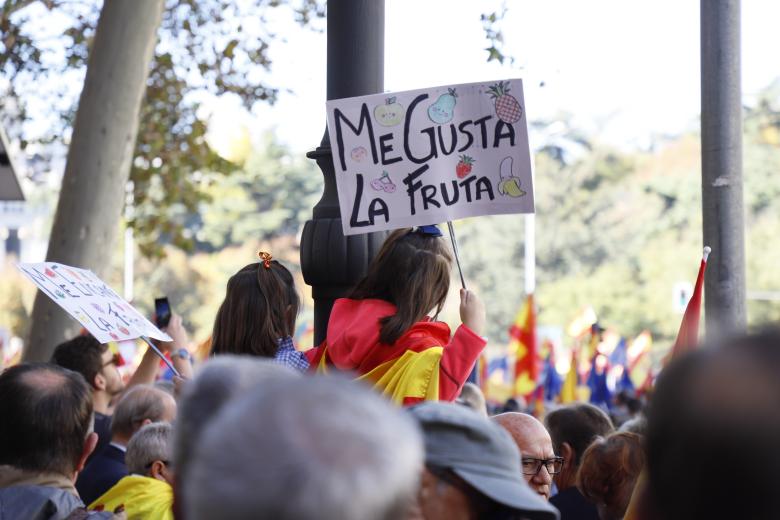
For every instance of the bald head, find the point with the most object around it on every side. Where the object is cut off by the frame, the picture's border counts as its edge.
(45, 418)
(534, 442)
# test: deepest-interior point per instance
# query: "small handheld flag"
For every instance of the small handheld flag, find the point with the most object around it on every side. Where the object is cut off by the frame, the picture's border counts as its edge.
(688, 336)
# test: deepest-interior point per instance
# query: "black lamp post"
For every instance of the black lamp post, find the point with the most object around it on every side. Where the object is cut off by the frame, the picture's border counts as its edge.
(331, 262)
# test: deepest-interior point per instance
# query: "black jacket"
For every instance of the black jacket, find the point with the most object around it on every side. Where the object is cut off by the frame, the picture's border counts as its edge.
(103, 471)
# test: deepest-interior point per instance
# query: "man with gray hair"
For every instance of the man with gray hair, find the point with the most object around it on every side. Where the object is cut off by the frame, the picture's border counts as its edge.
(150, 451)
(141, 405)
(311, 448)
(146, 492)
(221, 379)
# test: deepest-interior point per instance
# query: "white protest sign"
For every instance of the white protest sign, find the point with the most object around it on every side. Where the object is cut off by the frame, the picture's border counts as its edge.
(431, 155)
(92, 302)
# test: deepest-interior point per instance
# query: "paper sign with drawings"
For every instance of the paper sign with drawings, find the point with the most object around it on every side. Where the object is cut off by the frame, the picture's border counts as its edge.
(431, 155)
(91, 301)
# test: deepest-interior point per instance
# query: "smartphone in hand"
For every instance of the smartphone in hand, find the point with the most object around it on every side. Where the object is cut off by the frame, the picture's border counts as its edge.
(162, 311)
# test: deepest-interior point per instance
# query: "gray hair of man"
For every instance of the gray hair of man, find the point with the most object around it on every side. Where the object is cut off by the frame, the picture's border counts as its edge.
(139, 404)
(217, 381)
(312, 448)
(152, 442)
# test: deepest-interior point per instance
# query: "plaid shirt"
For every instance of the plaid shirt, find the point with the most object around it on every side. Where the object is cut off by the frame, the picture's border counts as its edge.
(287, 355)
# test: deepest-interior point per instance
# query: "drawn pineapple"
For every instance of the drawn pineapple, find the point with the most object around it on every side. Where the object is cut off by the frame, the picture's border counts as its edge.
(508, 109)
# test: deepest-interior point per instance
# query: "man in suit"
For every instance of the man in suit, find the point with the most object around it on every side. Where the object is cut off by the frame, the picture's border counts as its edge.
(573, 428)
(139, 406)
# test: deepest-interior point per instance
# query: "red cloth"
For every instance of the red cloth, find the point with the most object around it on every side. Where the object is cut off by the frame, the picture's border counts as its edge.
(353, 343)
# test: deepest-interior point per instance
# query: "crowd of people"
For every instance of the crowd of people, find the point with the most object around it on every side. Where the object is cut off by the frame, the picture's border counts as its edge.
(377, 422)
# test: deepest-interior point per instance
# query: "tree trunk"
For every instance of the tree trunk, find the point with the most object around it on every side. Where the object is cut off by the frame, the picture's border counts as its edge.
(99, 158)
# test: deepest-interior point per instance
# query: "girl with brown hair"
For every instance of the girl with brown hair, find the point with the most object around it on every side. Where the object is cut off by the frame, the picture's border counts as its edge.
(257, 317)
(383, 331)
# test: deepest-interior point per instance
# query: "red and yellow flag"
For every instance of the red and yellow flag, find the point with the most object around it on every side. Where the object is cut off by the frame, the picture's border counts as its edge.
(522, 342)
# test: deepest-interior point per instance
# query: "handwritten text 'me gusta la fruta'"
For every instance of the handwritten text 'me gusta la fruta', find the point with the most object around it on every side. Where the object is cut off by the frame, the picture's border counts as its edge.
(467, 134)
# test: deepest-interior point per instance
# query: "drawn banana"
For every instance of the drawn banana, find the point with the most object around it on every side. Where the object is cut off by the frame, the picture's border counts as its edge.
(508, 184)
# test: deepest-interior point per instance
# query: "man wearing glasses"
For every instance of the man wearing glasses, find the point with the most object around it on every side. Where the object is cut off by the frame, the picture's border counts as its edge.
(98, 364)
(539, 462)
(146, 492)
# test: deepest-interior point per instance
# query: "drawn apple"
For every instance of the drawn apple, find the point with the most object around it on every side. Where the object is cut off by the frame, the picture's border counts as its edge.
(49, 273)
(389, 114)
(359, 154)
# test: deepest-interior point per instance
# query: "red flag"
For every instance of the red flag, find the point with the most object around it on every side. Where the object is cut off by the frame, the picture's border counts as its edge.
(688, 336)
(522, 340)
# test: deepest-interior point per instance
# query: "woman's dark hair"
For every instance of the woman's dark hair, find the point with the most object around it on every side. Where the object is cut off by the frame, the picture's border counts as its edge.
(411, 271)
(260, 307)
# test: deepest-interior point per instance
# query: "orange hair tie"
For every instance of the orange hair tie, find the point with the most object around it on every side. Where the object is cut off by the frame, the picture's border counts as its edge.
(266, 258)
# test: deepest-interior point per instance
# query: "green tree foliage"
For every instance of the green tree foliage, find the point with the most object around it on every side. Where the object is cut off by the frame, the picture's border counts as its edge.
(492, 25)
(271, 196)
(209, 47)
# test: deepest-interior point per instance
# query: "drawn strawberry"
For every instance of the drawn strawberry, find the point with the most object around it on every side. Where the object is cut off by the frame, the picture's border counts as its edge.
(508, 109)
(463, 167)
(49, 273)
(124, 331)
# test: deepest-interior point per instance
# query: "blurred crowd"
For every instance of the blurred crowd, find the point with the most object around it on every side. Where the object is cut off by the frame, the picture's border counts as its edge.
(378, 421)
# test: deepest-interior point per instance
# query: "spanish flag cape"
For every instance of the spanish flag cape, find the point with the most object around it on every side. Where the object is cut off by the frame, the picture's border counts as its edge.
(424, 364)
(143, 497)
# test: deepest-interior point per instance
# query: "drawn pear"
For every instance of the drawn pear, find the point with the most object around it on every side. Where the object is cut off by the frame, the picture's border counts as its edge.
(444, 108)
(508, 184)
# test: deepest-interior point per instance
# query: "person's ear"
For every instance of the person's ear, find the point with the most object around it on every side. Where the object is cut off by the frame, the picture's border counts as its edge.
(145, 422)
(567, 452)
(89, 446)
(159, 471)
(99, 382)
